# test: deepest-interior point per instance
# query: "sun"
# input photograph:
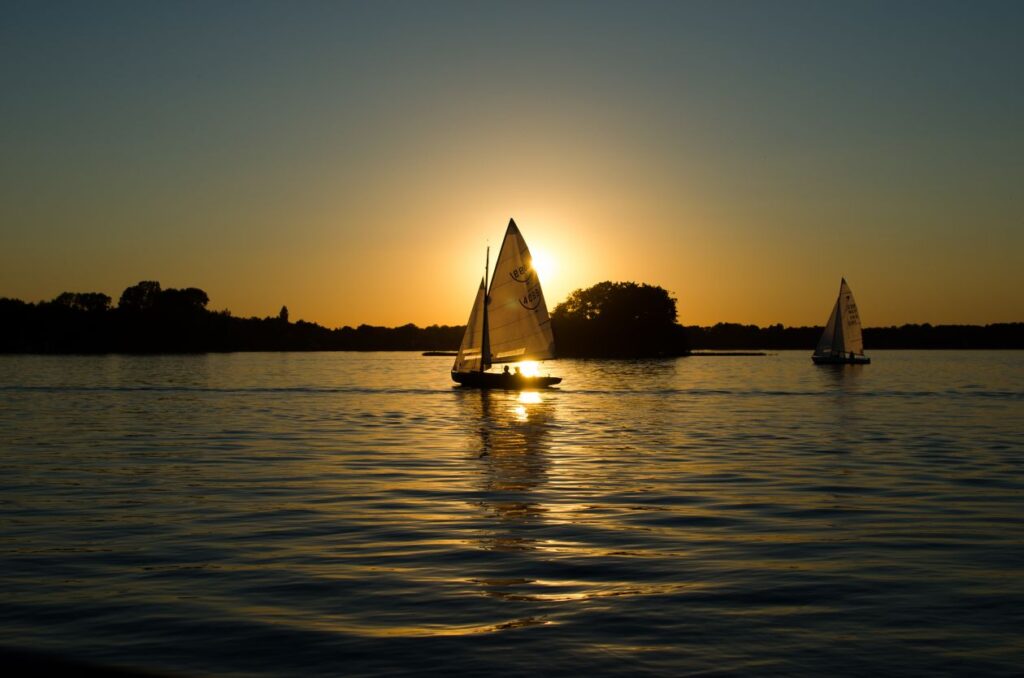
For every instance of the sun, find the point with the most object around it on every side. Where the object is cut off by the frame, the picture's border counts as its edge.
(529, 368)
(544, 265)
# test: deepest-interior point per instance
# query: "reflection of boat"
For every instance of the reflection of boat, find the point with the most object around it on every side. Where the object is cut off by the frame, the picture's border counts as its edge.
(509, 322)
(841, 343)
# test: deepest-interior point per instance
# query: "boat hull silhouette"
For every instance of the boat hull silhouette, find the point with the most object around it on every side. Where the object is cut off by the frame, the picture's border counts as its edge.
(840, 360)
(511, 382)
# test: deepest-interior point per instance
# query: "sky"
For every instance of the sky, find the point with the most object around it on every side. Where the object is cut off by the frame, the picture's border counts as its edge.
(354, 160)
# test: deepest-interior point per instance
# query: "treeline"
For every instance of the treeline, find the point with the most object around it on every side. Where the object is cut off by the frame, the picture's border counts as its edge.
(608, 320)
(731, 336)
(149, 319)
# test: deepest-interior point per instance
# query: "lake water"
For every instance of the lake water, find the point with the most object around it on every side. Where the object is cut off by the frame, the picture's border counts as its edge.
(340, 513)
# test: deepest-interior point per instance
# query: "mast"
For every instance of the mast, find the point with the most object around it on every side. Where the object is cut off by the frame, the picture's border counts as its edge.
(485, 347)
(838, 340)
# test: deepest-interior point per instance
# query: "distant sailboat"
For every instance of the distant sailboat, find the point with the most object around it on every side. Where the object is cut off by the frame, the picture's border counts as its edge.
(508, 323)
(841, 343)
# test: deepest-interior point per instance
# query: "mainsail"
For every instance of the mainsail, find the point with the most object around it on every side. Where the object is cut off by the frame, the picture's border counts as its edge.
(853, 341)
(509, 323)
(842, 334)
(518, 321)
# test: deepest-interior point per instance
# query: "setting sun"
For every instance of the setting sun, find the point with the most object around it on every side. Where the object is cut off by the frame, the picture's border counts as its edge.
(544, 264)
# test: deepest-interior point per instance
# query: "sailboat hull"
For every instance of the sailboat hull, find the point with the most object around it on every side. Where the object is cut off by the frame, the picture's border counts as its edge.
(840, 360)
(510, 382)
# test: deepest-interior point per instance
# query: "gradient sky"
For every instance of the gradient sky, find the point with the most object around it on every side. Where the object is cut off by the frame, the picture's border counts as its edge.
(353, 160)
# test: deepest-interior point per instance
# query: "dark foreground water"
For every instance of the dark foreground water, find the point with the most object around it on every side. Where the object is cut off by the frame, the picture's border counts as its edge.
(351, 514)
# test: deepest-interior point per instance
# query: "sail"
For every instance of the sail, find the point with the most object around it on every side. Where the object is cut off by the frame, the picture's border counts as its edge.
(473, 353)
(828, 337)
(519, 326)
(853, 341)
(842, 333)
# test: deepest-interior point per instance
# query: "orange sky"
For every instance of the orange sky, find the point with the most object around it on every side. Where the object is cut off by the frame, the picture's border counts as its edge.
(354, 163)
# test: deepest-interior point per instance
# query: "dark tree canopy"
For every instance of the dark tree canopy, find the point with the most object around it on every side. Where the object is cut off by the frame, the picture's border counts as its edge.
(190, 299)
(90, 302)
(618, 319)
(140, 297)
(620, 302)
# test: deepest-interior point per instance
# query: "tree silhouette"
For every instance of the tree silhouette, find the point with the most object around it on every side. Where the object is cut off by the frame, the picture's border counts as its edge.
(618, 319)
(189, 300)
(140, 297)
(90, 302)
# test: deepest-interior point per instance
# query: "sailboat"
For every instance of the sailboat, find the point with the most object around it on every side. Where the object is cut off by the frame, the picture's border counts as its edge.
(509, 322)
(841, 343)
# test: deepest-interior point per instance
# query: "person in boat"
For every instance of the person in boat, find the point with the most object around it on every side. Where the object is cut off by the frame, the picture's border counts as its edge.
(518, 372)
(505, 372)
(851, 355)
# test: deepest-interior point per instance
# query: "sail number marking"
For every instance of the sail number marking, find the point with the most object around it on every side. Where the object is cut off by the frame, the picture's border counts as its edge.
(522, 274)
(532, 299)
(852, 317)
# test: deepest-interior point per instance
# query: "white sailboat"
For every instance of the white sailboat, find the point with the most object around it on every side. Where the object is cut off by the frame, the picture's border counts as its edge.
(509, 322)
(842, 343)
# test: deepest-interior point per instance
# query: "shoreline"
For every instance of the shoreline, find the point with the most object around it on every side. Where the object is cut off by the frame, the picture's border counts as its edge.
(712, 353)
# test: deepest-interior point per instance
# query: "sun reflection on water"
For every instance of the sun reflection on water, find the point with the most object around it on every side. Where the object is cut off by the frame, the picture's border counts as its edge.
(529, 397)
(524, 399)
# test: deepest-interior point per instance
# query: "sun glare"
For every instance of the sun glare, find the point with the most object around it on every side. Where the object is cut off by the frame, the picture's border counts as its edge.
(544, 265)
(529, 368)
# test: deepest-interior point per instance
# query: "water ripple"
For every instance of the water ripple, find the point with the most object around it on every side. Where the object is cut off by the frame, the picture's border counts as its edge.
(326, 514)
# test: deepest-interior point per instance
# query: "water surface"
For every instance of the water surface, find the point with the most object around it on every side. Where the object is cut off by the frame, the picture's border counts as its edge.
(340, 513)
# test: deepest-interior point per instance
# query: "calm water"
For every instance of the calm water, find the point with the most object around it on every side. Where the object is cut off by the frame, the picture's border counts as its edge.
(334, 513)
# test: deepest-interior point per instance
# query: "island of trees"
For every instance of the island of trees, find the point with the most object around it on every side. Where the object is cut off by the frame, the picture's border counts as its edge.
(618, 320)
(608, 320)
